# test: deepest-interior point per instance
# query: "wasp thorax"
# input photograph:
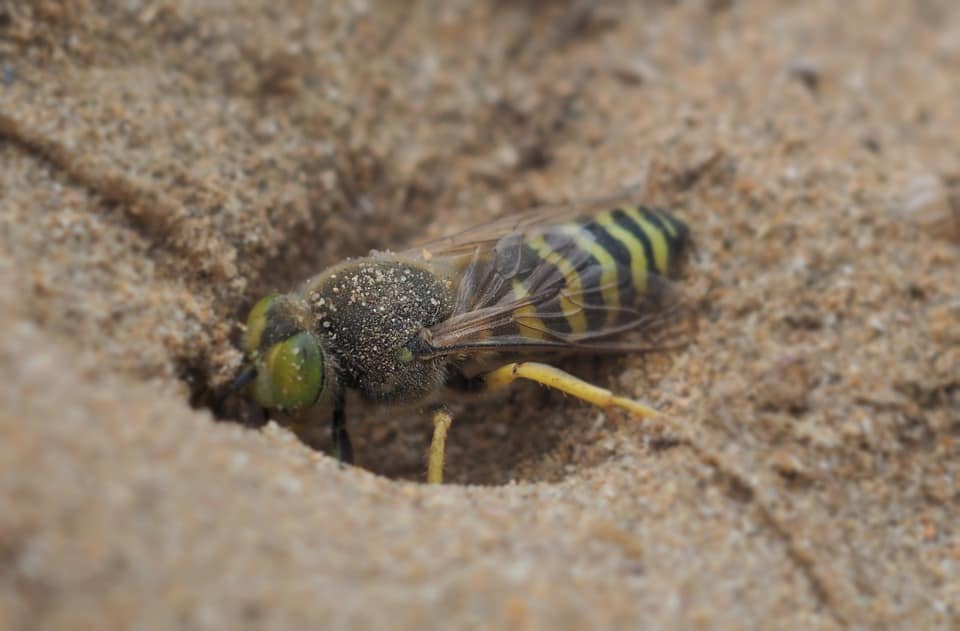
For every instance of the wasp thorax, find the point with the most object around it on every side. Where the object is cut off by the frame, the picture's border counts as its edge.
(368, 313)
(287, 357)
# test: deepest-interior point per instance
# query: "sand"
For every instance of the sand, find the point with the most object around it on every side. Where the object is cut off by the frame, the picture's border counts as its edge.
(164, 164)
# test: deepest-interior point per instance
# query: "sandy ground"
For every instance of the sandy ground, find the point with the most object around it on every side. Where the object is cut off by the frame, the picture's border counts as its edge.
(166, 163)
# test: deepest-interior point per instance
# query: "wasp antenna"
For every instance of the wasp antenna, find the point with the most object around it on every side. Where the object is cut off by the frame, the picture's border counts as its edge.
(246, 376)
(241, 380)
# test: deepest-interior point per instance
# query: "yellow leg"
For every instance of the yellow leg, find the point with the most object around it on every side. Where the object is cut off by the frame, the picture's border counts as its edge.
(565, 382)
(441, 423)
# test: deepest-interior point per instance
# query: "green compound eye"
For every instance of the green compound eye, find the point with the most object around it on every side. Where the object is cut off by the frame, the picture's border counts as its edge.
(290, 375)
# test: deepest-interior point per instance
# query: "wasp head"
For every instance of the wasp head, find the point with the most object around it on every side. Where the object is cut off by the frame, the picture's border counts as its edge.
(287, 369)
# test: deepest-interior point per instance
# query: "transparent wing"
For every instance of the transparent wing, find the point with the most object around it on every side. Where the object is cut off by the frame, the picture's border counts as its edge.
(488, 234)
(536, 282)
(491, 315)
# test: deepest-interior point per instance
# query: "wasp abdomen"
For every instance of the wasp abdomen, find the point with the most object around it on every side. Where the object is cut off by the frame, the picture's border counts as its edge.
(601, 269)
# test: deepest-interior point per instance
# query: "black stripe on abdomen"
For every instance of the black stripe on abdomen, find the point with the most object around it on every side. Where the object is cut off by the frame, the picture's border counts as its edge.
(626, 222)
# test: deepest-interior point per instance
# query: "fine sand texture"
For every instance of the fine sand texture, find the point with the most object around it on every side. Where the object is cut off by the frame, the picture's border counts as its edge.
(163, 164)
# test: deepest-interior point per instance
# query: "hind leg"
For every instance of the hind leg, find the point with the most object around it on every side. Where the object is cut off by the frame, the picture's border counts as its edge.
(565, 382)
(505, 375)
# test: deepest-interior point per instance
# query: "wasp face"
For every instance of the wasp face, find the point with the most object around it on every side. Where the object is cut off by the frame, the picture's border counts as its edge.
(288, 365)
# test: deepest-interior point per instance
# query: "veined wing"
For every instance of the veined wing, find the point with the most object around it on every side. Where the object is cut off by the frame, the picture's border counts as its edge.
(488, 234)
(572, 278)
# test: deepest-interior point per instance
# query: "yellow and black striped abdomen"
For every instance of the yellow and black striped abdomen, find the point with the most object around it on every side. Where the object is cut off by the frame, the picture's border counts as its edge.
(597, 272)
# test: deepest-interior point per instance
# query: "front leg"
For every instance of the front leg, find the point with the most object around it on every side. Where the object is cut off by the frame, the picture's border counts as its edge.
(341, 439)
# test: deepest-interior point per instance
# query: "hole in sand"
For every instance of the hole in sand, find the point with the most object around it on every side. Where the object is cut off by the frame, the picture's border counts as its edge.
(528, 434)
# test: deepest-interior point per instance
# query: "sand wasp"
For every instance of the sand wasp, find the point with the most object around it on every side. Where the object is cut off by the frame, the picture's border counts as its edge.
(590, 278)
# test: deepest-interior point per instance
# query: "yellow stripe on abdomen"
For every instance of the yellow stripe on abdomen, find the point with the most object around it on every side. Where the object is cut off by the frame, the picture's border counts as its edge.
(609, 278)
(658, 240)
(638, 258)
(526, 317)
(571, 298)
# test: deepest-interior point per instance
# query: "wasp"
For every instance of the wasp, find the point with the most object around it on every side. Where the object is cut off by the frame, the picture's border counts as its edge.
(469, 312)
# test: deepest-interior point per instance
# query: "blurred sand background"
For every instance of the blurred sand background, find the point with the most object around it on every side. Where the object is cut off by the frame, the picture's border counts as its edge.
(166, 163)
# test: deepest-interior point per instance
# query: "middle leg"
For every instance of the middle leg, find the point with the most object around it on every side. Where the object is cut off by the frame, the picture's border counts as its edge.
(438, 445)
